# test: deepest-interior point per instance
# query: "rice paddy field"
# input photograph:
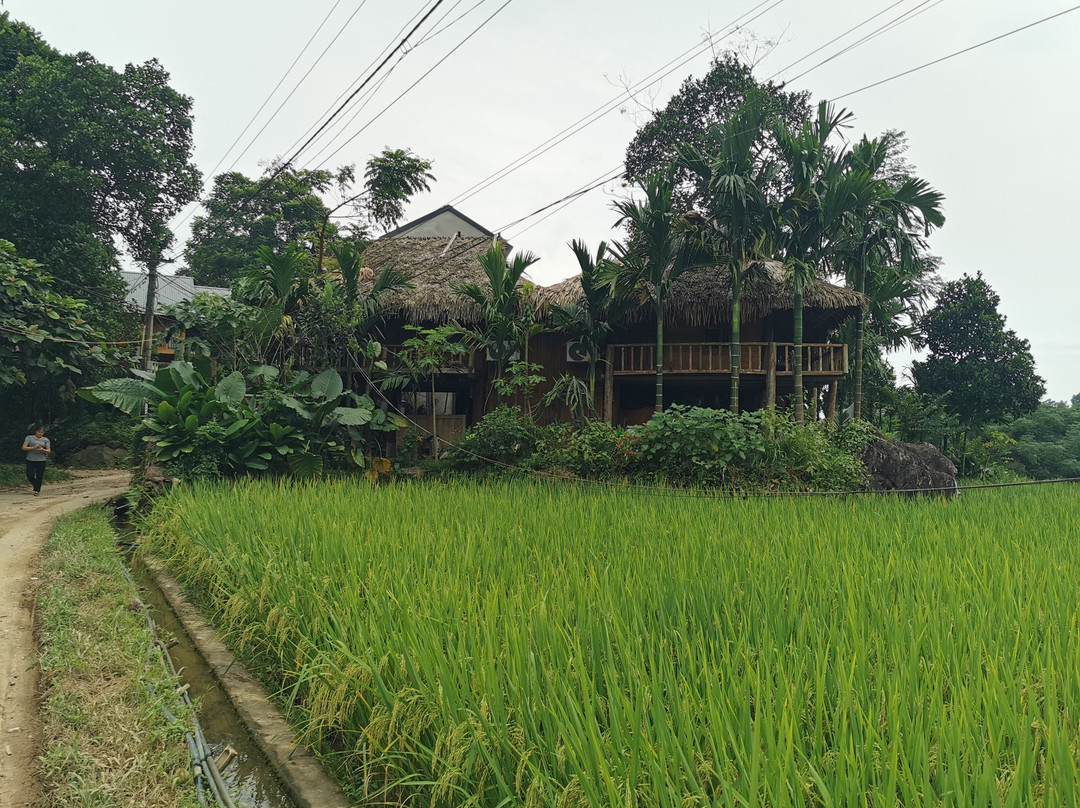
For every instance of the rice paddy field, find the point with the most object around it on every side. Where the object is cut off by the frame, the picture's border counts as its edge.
(512, 644)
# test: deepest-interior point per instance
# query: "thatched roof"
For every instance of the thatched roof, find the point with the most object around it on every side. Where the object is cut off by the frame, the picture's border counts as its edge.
(699, 298)
(436, 265)
(703, 298)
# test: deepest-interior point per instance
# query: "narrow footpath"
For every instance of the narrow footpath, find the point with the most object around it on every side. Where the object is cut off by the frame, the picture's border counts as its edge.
(25, 521)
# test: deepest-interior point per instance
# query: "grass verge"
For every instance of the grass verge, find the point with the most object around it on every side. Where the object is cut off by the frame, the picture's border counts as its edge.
(108, 741)
(13, 475)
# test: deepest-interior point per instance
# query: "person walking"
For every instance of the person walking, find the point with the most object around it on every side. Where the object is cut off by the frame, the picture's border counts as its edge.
(37, 448)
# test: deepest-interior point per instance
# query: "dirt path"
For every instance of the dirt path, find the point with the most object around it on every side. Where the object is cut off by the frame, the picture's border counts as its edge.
(24, 525)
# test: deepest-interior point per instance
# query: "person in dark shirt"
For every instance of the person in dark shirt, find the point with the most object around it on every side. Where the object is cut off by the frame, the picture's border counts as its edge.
(37, 448)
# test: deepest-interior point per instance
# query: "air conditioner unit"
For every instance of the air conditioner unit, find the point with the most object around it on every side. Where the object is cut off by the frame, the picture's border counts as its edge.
(577, 352)
(515, 356)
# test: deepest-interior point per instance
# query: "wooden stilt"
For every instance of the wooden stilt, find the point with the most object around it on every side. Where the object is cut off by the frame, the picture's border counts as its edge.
(830, 407)
(770, 377)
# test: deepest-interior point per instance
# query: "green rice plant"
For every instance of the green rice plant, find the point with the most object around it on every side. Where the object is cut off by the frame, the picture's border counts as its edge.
(525, 644)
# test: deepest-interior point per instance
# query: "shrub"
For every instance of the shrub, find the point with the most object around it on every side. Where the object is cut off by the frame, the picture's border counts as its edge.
(507, 436)
(694, 446)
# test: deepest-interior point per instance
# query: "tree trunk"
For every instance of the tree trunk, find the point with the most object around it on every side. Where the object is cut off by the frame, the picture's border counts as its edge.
(592, 382)
(796, 359)
(434, 422)
(609, 386)
(736, 336)
(860, 327)
(660, 357)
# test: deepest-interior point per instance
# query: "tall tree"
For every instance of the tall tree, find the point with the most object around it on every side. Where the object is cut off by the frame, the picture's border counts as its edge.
(590, 320)
(659, 250)
(696, 116)
(983, 370)
(811, 213)
(733, 183)
(89, 157)
(887, 228)
(288, 206)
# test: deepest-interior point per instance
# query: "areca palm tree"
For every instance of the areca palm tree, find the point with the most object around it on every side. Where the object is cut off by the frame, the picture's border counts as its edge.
(504, 326)
(736, 179)
(590, 320)
(810, 215)
(889, 227)
(661, 248)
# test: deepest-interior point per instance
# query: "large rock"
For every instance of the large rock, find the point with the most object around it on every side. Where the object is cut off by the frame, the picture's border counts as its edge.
(99, 457)
(916, 468)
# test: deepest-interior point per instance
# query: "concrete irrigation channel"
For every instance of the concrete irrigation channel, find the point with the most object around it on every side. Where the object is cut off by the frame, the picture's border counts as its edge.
(271, 768)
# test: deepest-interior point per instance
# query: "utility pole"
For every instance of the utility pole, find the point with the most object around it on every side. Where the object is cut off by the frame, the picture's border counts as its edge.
(148, 313)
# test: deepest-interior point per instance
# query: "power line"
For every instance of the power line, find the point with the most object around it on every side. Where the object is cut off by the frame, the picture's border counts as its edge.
(266, 101)
(286, 164)
(366, 81)
(959, 52)
(587, 120)
(352, 84)
(411, 86)
(888, 26)
(357, 108)
(836, 39)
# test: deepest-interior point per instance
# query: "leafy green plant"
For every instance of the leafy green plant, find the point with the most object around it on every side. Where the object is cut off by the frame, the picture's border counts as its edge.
(507, 436)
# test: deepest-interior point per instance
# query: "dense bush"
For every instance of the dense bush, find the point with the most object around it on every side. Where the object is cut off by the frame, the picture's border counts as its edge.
(506, 436)
(683, 446)
(694, 446)
(1047, 442)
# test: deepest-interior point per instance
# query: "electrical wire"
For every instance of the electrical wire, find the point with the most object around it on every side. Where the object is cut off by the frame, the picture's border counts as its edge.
(959, 52)
(604, 109)
(389, 106)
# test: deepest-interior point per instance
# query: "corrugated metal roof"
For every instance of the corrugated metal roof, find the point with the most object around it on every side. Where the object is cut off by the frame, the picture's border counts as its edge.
(171, 289)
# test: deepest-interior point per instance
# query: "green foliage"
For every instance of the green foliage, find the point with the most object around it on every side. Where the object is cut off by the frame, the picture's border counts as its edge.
(983, 371)
(13, 475)
(505, 319)
(575, 393)
(514, 644)
(43, 335)
(90, 158)
(506, 436)
(694, 446)
(1047, 441)
(696, 116)
(392, 178)
(588, 452)
(202, 429)
(244, 215)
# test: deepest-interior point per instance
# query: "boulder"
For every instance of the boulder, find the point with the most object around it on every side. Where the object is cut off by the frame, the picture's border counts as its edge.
(99, 457)
(916, 468)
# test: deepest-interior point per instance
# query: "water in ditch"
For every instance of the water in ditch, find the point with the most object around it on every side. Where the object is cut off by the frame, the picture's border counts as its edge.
(250, 777)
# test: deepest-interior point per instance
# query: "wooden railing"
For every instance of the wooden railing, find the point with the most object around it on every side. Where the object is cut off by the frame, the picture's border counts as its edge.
(819, 359)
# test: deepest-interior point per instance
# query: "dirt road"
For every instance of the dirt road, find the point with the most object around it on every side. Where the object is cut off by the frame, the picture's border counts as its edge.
(24, 525)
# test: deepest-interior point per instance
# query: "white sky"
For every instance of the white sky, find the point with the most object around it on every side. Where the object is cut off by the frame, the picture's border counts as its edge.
(992, 129)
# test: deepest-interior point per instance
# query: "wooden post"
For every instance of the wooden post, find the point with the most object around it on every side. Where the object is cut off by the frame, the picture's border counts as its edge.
(770, 377)
(830, 407)
(609, 385)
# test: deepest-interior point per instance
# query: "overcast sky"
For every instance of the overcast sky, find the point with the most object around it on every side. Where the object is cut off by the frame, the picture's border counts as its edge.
(993, 129)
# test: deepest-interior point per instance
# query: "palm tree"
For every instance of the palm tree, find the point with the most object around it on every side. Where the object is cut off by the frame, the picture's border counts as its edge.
(660, 249)
(590, 320)
(888, 227)
(736, 180)
(504, 324)
(812, 214)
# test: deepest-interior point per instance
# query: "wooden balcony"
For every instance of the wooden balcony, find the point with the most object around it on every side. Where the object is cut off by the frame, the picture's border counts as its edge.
(706, 358)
